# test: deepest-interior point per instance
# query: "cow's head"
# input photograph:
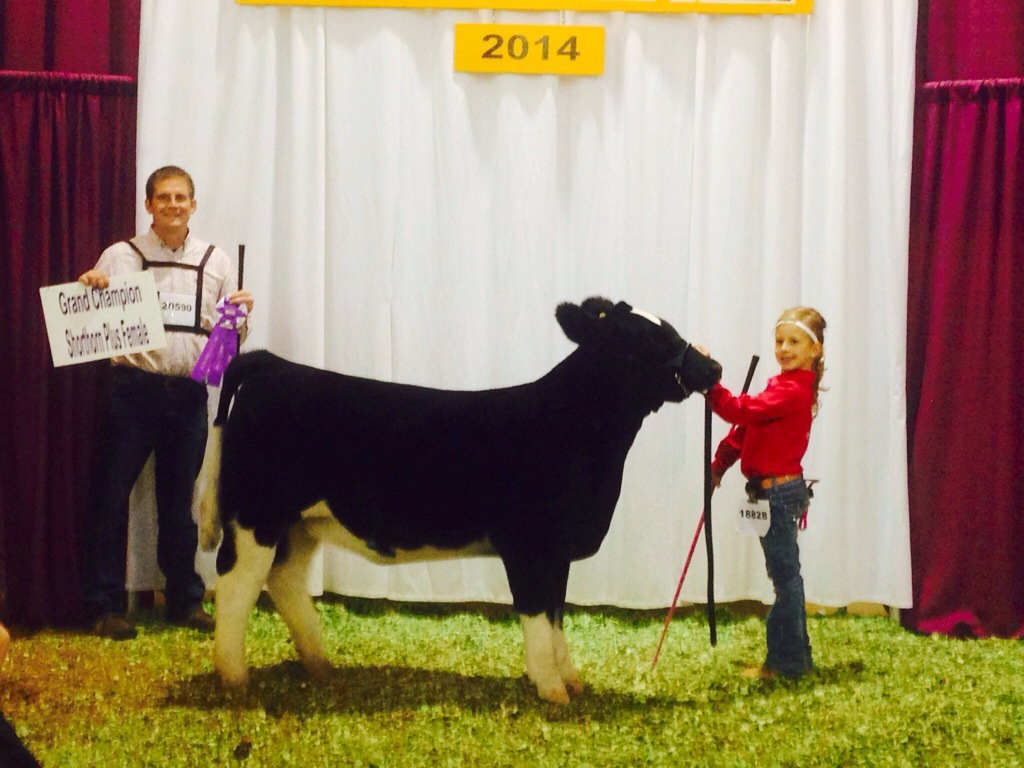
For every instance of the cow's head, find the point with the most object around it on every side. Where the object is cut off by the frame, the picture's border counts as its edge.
(670, 367)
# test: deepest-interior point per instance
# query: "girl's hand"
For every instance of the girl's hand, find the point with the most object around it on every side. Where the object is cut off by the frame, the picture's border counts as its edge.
(704, 351)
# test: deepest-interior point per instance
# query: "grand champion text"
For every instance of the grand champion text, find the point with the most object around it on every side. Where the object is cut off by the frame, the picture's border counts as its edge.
(123, 336)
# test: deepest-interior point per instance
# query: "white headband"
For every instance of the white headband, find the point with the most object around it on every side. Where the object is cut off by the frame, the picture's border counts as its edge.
(802, 327)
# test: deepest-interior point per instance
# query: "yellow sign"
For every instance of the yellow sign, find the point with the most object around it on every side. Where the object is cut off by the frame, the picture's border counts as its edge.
(637, 6)
(530, 49)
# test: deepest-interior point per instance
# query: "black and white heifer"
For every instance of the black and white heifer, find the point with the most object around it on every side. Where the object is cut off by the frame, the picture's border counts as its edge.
(530, 474)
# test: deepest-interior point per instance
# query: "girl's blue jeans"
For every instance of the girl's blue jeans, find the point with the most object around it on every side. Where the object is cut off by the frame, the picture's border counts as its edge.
(789, 648)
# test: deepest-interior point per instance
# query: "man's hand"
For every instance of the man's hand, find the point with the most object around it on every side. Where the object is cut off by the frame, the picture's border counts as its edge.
(95, 277)
(242, 297)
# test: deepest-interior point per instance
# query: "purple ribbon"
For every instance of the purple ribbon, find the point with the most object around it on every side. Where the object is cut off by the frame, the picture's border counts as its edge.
(222, 344)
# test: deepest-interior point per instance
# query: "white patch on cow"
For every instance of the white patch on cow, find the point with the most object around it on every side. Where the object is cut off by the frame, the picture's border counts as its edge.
(647, 316)
(541, 668)
(325, 526)
(236, 594)
(287, 585)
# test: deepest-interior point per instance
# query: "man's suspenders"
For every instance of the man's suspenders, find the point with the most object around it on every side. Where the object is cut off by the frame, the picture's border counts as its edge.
(197, 326)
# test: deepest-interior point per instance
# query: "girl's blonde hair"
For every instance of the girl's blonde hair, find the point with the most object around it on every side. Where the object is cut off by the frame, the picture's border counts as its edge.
(812, 319)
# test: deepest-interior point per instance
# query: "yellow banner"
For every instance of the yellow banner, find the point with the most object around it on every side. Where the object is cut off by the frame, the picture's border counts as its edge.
(530, 49)
(638, 6)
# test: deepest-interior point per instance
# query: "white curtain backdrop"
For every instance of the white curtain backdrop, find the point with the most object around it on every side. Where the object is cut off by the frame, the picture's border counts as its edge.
(409, 223)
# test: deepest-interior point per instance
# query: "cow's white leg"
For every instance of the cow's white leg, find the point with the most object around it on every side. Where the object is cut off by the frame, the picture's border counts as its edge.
(288, 586)
(209, 514)
(571, 678)
(541, 667)
(236, 594)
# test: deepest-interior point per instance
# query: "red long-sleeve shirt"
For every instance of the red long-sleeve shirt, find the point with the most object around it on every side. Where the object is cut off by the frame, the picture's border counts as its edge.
(770, 430)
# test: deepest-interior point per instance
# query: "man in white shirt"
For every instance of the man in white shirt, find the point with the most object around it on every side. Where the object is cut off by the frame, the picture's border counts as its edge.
(154, 407)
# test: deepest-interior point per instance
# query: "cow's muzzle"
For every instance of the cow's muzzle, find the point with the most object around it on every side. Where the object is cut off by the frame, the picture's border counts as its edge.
(701, 373)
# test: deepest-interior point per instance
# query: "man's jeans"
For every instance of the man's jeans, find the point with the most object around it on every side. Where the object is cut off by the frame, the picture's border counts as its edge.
(145, 413)
(789, 648)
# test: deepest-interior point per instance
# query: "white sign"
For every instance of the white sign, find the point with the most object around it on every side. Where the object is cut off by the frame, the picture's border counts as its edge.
(87, 323)
(754, 517)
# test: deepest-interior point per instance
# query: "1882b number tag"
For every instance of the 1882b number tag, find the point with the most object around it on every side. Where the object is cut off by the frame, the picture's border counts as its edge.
(754, 518)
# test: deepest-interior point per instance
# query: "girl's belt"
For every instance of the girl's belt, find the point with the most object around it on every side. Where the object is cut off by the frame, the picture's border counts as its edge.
(770, 481)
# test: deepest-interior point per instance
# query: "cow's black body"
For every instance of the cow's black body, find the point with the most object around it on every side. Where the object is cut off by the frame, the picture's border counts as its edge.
(531, 473)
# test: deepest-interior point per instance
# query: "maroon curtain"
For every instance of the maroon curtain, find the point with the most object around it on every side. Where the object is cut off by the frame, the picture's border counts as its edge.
(67, 189)
(970, 39)
(99, 37)
(965, 348)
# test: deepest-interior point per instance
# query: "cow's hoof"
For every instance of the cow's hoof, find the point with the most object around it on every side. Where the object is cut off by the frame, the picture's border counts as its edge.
(319, 669)
(554, 694)
(573, 685)
(236, 683)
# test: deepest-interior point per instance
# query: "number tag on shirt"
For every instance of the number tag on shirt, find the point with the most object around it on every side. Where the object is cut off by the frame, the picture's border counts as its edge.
(754, 517)
(178, 308)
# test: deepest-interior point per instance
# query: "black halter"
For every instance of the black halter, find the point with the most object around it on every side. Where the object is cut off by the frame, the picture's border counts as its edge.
(677, 363)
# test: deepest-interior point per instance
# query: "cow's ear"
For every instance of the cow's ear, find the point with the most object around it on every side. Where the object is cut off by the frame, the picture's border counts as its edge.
(599, 306)
(577, 323)
(580, 323)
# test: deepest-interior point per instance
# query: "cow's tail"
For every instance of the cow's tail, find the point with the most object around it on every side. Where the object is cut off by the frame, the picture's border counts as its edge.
(210, 523)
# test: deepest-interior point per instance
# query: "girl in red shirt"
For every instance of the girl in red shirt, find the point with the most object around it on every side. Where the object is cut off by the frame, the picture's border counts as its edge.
(769, 437)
